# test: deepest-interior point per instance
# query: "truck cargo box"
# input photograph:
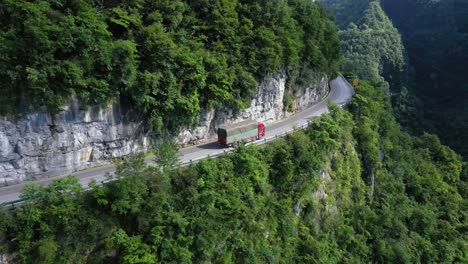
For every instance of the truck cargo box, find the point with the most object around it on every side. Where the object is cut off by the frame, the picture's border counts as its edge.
(243, 131)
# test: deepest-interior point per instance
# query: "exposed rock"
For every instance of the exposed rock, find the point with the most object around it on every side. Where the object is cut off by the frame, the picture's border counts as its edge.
(319, 196)
(42, 144)
(321, 192)
(267, 106)
(3, 259)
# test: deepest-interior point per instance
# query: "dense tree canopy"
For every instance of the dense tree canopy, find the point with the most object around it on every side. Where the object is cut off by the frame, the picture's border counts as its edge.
(435, 34)
(372, 46)
(346, 11)
(353, 188)
(432, 95)
(171, 58)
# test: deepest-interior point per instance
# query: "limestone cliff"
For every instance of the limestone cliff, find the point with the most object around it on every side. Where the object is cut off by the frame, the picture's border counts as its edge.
(267, 106)
(42, 144)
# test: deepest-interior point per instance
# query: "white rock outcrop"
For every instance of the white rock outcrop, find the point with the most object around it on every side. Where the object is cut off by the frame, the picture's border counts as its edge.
(42, 144)
(267, 106)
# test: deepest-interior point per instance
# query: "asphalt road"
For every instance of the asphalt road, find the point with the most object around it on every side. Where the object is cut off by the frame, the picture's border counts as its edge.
(340, 93)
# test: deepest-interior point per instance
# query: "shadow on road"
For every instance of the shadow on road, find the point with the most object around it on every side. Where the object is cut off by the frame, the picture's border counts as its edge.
(212, 145)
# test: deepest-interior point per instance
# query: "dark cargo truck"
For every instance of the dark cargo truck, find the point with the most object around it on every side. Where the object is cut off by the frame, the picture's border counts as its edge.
(244, 131)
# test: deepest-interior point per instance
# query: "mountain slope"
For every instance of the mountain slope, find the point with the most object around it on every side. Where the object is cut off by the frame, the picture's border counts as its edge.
(352, 188)
(169, 59)
(436, 37)
(372, 47)
(432, 94)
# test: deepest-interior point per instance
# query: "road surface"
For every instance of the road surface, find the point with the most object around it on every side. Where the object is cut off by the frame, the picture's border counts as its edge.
(340, 93)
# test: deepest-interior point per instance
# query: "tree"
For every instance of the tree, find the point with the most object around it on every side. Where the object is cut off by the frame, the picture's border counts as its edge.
(167, 155)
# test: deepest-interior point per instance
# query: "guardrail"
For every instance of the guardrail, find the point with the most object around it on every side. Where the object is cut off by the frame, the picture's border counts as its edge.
(13, 204)
(262, 141)
(265, 140)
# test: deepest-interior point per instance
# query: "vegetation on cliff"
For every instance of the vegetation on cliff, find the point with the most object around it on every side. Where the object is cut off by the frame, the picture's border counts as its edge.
(352, 188)
(390, 198)
(170, 58)
(432, 93)
(372, 47)
(435, 34)
(346, 11)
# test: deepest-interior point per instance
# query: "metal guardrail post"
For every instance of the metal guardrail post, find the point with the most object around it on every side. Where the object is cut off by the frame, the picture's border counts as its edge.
(17, 203)
(12, 204)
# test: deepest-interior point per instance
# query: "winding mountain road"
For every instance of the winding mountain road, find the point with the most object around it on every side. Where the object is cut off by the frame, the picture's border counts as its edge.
(340, 93)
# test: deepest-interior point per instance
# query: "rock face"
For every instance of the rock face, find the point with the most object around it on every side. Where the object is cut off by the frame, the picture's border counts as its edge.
(267, 106)
(3, 259)
(42, 144)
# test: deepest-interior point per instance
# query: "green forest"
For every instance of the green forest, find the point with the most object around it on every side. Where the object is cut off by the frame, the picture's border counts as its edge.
(435, 34)
(372, 47)
(354, 187)
(169, 58)
(389, 198)
(431, 92)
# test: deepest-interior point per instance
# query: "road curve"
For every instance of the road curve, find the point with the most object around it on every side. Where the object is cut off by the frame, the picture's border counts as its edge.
(340, 93)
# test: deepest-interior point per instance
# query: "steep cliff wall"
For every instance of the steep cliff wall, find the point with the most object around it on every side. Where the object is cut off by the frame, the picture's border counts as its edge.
(41, 145)
(266, 106)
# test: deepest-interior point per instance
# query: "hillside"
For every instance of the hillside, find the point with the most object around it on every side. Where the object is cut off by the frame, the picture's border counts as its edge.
(372, 47)
(352, 188)
(435, 34)
(431, 94)
(170, 59)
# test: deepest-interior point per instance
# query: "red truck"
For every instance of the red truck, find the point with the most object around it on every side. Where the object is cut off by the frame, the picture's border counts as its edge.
(244, 131)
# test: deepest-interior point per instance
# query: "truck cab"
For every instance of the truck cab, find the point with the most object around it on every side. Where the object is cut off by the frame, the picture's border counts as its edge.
(261, 130)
